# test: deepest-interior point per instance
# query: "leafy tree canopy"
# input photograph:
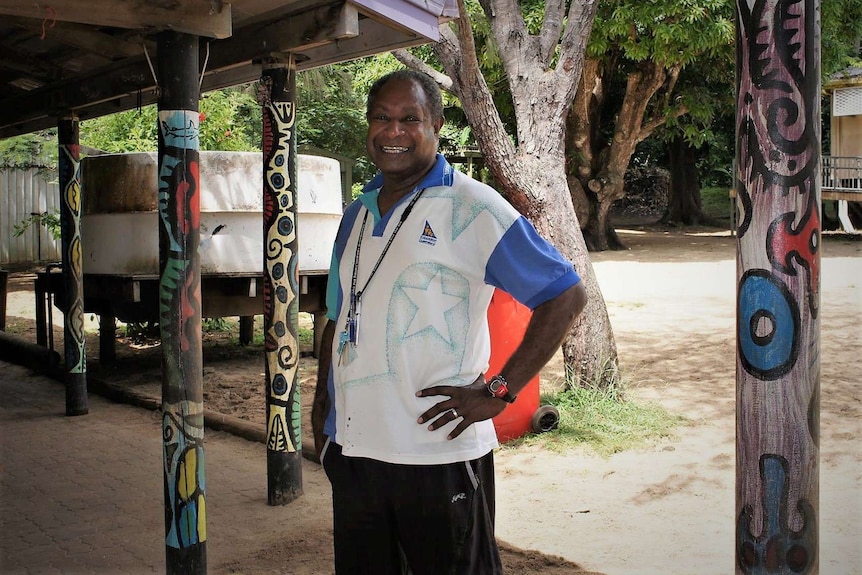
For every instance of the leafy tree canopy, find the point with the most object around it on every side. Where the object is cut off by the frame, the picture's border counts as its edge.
(229, 120)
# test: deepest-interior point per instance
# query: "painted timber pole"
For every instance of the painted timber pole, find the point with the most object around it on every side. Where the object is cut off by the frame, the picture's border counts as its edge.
(778, 287)
(277, 96)
(75, 359)
(180, 304)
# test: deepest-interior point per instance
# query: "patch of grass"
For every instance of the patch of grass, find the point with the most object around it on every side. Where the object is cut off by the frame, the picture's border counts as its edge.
(602, 420)
(217, 324)
(306, 337)
(715, 202)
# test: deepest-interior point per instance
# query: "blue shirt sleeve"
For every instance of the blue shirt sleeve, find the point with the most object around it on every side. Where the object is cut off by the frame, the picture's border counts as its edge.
(528, 267)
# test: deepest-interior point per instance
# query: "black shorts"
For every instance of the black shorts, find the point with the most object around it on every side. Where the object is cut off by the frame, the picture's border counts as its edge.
(392, 519)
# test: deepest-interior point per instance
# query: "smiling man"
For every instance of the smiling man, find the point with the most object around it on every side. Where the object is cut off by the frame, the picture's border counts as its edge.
(403, 407)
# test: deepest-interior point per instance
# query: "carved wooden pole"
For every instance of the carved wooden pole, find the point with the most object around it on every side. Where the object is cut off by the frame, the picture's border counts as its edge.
(280, 283)
(69, 164)
(180, 304)
(778, 283)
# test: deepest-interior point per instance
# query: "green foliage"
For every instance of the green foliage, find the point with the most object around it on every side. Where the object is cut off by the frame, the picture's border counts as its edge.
(142, 332)
(36, 150)
(129, 131)
(50, 221)
(715, 202)
(331, 108)
(668, 32)
(229, 120)
(841, 35)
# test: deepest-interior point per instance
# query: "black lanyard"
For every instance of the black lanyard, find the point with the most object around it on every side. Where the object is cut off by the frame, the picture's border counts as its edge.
(354, 295)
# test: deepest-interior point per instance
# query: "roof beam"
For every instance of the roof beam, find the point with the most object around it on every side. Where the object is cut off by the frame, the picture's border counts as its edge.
(316, 27)
(210, 19)
(85, 38)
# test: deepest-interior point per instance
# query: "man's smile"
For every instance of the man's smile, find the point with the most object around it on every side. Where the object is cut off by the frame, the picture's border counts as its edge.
(394, 149)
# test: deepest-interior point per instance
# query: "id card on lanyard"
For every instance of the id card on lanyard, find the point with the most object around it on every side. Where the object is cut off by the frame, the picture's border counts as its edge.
(350, 334)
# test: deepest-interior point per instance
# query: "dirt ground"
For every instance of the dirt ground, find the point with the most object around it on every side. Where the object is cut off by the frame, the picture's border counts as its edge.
(663, 508)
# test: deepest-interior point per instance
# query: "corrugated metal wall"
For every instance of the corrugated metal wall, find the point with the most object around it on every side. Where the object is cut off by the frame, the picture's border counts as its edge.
(23, 192)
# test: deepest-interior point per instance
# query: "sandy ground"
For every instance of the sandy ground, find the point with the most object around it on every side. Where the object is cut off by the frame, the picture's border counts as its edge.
(665, 508)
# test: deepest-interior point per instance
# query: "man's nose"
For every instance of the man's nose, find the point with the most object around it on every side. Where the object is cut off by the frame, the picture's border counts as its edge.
(394, 128)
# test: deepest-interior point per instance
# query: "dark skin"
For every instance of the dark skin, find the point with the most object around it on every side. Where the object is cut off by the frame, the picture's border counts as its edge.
(402, 142)
(320, 406)
(402, 139)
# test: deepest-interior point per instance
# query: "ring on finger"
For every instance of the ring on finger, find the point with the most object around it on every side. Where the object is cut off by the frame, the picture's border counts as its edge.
(455, 413)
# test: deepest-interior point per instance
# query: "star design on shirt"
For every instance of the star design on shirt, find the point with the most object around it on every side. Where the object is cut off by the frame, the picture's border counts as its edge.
(432, 303)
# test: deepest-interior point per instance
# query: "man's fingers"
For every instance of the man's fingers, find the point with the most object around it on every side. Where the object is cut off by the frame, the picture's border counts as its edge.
(458, 429)
(436, 390)
(437, 409)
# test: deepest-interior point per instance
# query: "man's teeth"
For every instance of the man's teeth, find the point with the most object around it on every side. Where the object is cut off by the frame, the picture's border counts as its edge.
(394, 149)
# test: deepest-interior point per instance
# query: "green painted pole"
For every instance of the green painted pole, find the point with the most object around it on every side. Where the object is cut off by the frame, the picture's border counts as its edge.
(180, 304)
(280, 283)
(69, 167)
(778, 287)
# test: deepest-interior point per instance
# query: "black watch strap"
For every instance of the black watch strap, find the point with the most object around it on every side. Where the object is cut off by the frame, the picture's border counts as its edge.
(498, 387)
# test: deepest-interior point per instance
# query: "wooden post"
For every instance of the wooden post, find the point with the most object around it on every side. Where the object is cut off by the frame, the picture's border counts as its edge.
(69, 164)
(281, 283)
(778, 287)
(180, 304)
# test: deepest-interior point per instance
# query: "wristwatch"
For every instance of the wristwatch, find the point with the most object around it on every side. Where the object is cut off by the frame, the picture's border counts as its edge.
(499, 388)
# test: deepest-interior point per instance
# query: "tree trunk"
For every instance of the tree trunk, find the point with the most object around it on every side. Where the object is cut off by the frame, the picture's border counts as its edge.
(601, 165)
(683, 203)
(590, 352)
(600, 234)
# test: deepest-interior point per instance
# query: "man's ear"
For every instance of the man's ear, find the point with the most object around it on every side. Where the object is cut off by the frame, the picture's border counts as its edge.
(437, 125)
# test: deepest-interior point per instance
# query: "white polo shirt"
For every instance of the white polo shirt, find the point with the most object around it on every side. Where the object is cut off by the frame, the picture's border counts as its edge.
(423, 315)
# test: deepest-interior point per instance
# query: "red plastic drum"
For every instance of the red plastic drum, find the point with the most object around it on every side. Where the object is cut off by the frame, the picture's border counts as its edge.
(507, 322)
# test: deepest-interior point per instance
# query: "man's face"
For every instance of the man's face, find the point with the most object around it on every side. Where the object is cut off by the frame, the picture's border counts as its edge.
(402, 135)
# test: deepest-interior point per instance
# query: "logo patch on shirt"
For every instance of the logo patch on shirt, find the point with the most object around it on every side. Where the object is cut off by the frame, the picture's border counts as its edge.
(428, 236)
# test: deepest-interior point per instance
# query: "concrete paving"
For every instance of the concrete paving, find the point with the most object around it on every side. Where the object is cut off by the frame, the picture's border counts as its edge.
(85, 494)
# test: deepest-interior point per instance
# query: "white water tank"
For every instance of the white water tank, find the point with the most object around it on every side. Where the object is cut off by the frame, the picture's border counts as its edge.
(119, 223)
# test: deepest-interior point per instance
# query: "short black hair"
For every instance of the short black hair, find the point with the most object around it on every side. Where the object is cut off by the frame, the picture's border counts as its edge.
(429, 86)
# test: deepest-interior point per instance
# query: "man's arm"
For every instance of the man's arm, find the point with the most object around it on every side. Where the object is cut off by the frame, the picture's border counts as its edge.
(548, 327)
(320, 407)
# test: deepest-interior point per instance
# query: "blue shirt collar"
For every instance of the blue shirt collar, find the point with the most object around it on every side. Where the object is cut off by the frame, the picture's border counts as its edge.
(442, 174)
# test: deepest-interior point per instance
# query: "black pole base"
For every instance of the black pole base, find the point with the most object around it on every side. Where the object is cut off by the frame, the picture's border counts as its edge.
(190, 560)
(76, 394)
(283, 476)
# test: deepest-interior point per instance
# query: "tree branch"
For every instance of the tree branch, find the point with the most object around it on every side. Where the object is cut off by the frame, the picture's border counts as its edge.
(673, 76)
(516, 47)
(652, 124)
(551, 27)
(579, 23)
(411, 61)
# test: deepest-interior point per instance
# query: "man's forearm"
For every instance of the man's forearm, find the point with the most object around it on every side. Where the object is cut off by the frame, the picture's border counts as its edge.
(548, 327)
(320, 406)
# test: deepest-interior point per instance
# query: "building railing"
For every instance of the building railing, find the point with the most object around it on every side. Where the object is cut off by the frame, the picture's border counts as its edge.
(841, 181)
(841, 173)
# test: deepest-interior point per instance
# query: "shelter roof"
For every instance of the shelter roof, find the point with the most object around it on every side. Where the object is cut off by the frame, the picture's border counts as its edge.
(95, 57)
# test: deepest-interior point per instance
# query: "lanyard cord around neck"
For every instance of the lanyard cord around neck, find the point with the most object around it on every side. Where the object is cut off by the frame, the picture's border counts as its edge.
(354, 295)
